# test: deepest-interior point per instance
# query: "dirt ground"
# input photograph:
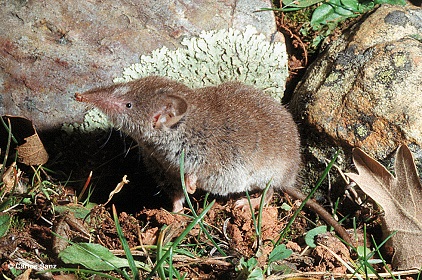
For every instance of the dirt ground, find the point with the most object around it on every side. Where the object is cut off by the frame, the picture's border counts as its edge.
(233, 229)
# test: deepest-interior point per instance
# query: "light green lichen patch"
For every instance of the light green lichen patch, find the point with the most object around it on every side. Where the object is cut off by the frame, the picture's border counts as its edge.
(400, 60)
(332, 78)
(93, 121)
(216, 57)
(385, 76)
(361, 131)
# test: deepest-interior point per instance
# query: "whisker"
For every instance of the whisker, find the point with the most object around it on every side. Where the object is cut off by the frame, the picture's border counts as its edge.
(108, 139)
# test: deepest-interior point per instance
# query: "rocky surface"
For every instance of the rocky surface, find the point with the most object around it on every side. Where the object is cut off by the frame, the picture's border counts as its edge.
(49, 50)
(365, 89)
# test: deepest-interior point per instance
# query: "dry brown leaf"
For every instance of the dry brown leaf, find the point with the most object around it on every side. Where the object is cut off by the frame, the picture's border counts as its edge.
(401, 199)
(117, 189)
(31, 151)
(11, 181)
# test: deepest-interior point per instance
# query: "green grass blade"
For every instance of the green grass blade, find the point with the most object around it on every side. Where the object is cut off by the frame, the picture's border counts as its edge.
(171, 267)
(9, 140)
(125, 246)
(160, 250)
(255, 224)
(261, 208)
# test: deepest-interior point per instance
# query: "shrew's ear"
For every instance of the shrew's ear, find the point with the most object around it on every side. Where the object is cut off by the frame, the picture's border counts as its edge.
(170, 112)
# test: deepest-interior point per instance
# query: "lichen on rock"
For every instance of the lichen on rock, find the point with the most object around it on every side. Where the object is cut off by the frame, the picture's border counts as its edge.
(218, 56)
(94, 120)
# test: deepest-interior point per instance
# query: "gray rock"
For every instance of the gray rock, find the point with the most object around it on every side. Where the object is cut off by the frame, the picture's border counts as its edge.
(365, 89)
(49, 50)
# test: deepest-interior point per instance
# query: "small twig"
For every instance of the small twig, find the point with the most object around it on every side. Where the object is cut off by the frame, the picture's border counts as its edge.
(303, 46)
(88, 180)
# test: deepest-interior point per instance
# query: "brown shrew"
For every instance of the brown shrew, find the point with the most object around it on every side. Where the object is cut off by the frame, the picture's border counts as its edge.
(236, 138)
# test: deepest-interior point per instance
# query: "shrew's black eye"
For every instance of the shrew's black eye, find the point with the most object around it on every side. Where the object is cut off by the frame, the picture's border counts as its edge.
(129, 105)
